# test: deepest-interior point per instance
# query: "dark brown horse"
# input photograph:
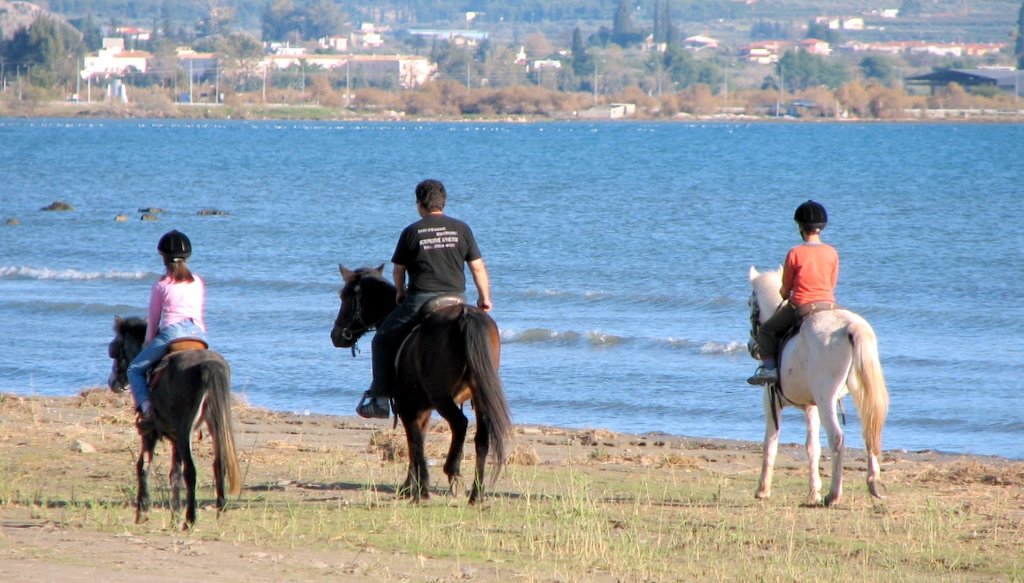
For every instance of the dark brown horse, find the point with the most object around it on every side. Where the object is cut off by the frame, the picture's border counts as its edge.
(449, 358)
(193, 387)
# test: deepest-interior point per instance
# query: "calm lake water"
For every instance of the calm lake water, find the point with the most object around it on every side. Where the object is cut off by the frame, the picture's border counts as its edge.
(618, 254)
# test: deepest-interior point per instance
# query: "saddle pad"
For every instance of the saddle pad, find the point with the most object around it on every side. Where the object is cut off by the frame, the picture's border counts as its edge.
(187, 344)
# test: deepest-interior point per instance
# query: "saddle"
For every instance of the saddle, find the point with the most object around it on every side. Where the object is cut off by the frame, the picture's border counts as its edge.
(436, 303)
(802, 313)
(176, 345)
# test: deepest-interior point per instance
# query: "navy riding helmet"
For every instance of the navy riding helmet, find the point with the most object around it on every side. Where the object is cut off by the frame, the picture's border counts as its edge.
(175, 245)
(811, 215)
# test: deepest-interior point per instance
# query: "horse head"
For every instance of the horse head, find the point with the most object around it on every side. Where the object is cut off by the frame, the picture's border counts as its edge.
(765, 298)
(129, 335)
(366, 298)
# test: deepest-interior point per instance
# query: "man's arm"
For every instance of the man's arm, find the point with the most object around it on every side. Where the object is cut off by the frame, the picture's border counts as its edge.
(483, 284)
(399, 276)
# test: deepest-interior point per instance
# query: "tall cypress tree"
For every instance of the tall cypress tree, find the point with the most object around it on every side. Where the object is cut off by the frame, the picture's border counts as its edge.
(623, 31)
(582, 62)
(1019, 48)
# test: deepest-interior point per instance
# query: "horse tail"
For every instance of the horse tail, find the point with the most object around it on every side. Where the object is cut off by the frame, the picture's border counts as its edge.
(479, 331)
(872, 398)
(216, 378)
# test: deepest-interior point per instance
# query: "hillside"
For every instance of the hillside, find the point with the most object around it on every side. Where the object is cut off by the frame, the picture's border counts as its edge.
(15, 16)
(939, 20)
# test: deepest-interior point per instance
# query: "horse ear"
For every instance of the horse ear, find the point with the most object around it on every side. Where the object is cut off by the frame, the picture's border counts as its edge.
(346, 273)
(380, 269)
(117, 323)
(753, 273)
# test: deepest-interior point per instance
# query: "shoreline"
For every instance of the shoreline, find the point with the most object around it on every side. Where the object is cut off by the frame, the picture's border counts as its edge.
(590, 435)
(528, 428)
(315, 113)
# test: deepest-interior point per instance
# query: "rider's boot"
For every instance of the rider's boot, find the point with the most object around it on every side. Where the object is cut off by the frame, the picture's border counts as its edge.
(373, 407)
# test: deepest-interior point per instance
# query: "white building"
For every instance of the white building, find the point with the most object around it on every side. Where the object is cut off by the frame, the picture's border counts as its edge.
(113, 60)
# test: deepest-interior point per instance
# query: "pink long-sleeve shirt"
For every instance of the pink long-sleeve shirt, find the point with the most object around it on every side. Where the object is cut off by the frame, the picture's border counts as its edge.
(171, 302)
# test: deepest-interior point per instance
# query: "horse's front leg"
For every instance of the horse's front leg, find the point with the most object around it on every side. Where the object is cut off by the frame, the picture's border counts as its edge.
(830, 416)
(482, 441)
(813, 448)
(458, 423)
(772, 412)
(142, 501)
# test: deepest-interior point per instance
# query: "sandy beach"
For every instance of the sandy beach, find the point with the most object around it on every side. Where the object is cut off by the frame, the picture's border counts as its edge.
(67, 484)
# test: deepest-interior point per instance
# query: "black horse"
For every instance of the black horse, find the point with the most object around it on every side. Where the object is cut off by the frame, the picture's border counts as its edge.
(449, 358)
(194, 386)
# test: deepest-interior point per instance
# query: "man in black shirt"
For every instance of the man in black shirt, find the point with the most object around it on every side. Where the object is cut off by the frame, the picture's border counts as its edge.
(433, 253)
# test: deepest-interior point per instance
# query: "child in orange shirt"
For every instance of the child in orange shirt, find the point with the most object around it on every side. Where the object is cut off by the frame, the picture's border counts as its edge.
(809, 277)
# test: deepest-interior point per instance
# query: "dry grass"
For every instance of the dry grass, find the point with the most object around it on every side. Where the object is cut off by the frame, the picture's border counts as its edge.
(319, 505)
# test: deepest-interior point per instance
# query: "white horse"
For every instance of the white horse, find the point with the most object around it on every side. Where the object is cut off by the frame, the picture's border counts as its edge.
(834, 353)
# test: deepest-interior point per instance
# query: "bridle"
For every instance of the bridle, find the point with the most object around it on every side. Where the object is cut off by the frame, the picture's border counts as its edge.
(358, 326)
(116, 351)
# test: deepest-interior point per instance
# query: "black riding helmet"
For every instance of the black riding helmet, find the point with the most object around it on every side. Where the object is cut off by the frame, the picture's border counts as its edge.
(174, 245)
(810, 216)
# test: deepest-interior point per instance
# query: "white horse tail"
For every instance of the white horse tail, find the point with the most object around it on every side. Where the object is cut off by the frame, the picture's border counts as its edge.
(868, 387)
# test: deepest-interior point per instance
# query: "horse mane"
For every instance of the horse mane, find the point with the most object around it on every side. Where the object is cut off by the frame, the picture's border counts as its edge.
(134, 327)
(766, 286)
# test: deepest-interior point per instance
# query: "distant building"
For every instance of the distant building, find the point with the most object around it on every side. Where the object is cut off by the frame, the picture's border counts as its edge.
(454, 36)
(815, 46)
(112, 60)
(764, 52)
(197, 65)
(134, 33)
(699, 42)
(610, 111)
(404, 70)
(1009, 80)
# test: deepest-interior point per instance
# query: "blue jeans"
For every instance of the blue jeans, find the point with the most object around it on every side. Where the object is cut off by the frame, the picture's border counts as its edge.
(388, 339)
(154, 351)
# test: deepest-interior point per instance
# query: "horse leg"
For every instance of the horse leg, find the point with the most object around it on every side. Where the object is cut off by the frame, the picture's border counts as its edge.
(772, 411)
(874, 474)
(482, 441)
(813, 448)
(141, 472)
(177, 483)
(415, 434)
(830, 415)
(458, 423)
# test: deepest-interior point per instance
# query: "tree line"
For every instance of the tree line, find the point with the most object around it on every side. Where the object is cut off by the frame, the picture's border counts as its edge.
(43, 59)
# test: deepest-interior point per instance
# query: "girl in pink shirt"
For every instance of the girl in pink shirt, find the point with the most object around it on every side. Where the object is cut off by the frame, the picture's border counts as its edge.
(176, 305)
(809, 276)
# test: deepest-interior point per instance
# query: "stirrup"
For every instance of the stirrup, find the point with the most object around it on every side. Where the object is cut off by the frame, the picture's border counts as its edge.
(764, 376)
(369, 407)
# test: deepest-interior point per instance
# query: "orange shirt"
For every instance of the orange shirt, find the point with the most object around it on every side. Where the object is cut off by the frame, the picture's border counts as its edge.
(810, 273)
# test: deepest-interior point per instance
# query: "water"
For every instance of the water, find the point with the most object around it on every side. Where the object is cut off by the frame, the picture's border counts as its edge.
(618, 254)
